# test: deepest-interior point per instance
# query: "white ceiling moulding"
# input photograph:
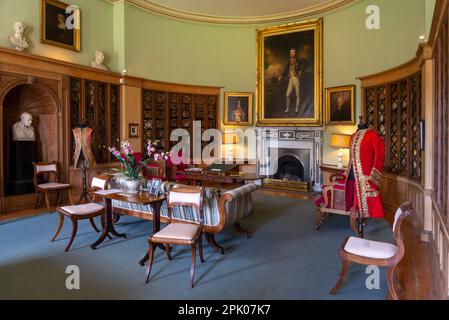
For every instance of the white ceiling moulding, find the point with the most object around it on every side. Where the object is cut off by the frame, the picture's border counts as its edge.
(320, 8)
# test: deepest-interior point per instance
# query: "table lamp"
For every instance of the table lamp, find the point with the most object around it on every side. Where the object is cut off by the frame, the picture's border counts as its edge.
(229, 140)
(340, 141)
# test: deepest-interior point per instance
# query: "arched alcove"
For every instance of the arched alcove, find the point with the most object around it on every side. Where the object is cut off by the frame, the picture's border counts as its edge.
(39, 102)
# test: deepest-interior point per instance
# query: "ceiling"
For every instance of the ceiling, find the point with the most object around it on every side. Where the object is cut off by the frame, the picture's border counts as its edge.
(239, 11)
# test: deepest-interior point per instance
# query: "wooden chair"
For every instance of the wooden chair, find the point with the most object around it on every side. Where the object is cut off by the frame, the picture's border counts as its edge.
(180, 233)
(48, 169)
(334, 202)
(368, 252)
(83, 211)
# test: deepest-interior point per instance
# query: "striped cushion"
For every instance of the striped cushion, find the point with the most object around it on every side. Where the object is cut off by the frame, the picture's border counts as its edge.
(237, 209)
(242, 205)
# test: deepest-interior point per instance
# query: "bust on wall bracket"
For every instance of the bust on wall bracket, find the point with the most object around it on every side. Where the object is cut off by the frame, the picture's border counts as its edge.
(23, 130)
(19, 42)
(98, 63)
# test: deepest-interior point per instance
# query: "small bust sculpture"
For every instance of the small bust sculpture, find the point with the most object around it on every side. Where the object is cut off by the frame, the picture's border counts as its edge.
(99, 60)
(23, 130)
(19, 42)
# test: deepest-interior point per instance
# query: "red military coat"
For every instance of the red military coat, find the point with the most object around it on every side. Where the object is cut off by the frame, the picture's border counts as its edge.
(367, 154)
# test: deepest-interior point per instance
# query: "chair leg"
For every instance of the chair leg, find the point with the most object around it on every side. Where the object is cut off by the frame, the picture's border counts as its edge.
(211, 240)
(47, 201)
(318, 218)
(241, 230)
(396, 279)
(343, 274)
(200, 247)
(192, 269)
(391, 283)
(353, 224)
(36, 197)
(58, 195)
(151, 248)
(70, 197)
(74, 230)
(61, 223)
(92, 223)
(167, 251)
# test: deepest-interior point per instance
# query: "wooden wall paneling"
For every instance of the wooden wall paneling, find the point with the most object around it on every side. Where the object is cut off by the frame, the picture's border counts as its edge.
(108, 116)
(37, 65)
(409, 129)
(388, 128)
(44, 98)
(24, 67)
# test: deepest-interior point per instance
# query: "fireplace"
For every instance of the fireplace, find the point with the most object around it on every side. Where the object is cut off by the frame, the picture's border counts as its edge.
(290, 158)
(289, 168)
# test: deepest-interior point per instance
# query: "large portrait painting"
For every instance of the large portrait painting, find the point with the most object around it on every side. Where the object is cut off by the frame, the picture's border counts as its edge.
(289, 75)
(60, 25)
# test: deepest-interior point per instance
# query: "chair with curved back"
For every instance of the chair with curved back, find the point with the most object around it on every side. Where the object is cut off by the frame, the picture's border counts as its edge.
(368, 252)
(332, 201)
(180, 233)
(48, 169)
(86, 211)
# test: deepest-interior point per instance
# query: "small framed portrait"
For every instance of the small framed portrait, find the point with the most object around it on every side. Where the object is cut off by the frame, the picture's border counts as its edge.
(154, 187)
(238, 108)
(340, 106)
(60, 24)
(133, 130)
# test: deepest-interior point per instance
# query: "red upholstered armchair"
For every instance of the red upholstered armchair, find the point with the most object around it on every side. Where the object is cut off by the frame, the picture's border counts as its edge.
(175, 170)
(332, 201)
(153, 170)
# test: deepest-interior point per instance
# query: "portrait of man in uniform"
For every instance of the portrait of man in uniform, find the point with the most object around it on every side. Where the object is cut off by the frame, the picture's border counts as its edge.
(289, 65)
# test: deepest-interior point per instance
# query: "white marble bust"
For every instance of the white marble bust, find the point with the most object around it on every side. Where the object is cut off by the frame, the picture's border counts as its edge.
(99, 60)
(19, 42)
(23, 130)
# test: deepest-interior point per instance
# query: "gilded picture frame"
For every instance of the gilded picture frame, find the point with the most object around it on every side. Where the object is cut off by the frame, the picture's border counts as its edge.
(340, 105)
(290, 74)
(238, 108)
(60, 25)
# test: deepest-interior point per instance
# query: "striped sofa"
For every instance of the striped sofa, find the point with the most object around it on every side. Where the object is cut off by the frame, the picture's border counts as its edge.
(220, 211)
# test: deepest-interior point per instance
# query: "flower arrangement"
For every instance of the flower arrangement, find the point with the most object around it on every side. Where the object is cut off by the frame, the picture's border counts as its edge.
(132, 162)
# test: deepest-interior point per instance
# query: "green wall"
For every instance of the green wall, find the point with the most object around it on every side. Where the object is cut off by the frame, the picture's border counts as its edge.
(96, 26)
(161, 48)
(430, 8)
(170, 50)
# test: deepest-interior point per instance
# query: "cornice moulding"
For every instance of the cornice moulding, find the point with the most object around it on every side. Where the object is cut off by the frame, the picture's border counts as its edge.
(306, 12)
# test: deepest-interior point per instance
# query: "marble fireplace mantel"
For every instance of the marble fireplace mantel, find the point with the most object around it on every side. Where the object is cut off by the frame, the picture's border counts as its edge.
(294, 138)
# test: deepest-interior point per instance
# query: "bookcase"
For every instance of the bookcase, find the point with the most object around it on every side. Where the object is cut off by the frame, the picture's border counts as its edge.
(167, 110)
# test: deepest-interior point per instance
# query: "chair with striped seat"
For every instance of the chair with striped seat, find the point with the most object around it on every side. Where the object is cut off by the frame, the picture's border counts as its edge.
(47, 170)
(180, 233)
(83, 211)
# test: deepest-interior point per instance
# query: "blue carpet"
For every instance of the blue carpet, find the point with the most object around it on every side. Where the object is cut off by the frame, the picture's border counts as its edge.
(285, 259)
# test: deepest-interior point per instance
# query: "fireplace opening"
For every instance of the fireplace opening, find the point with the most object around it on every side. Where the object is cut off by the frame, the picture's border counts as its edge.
(290, 169)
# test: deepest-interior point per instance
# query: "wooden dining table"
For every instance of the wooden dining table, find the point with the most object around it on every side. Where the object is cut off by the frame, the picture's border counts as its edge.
(141, 198)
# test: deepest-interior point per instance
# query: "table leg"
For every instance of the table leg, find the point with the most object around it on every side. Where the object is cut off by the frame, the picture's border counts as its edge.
(109, 225)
